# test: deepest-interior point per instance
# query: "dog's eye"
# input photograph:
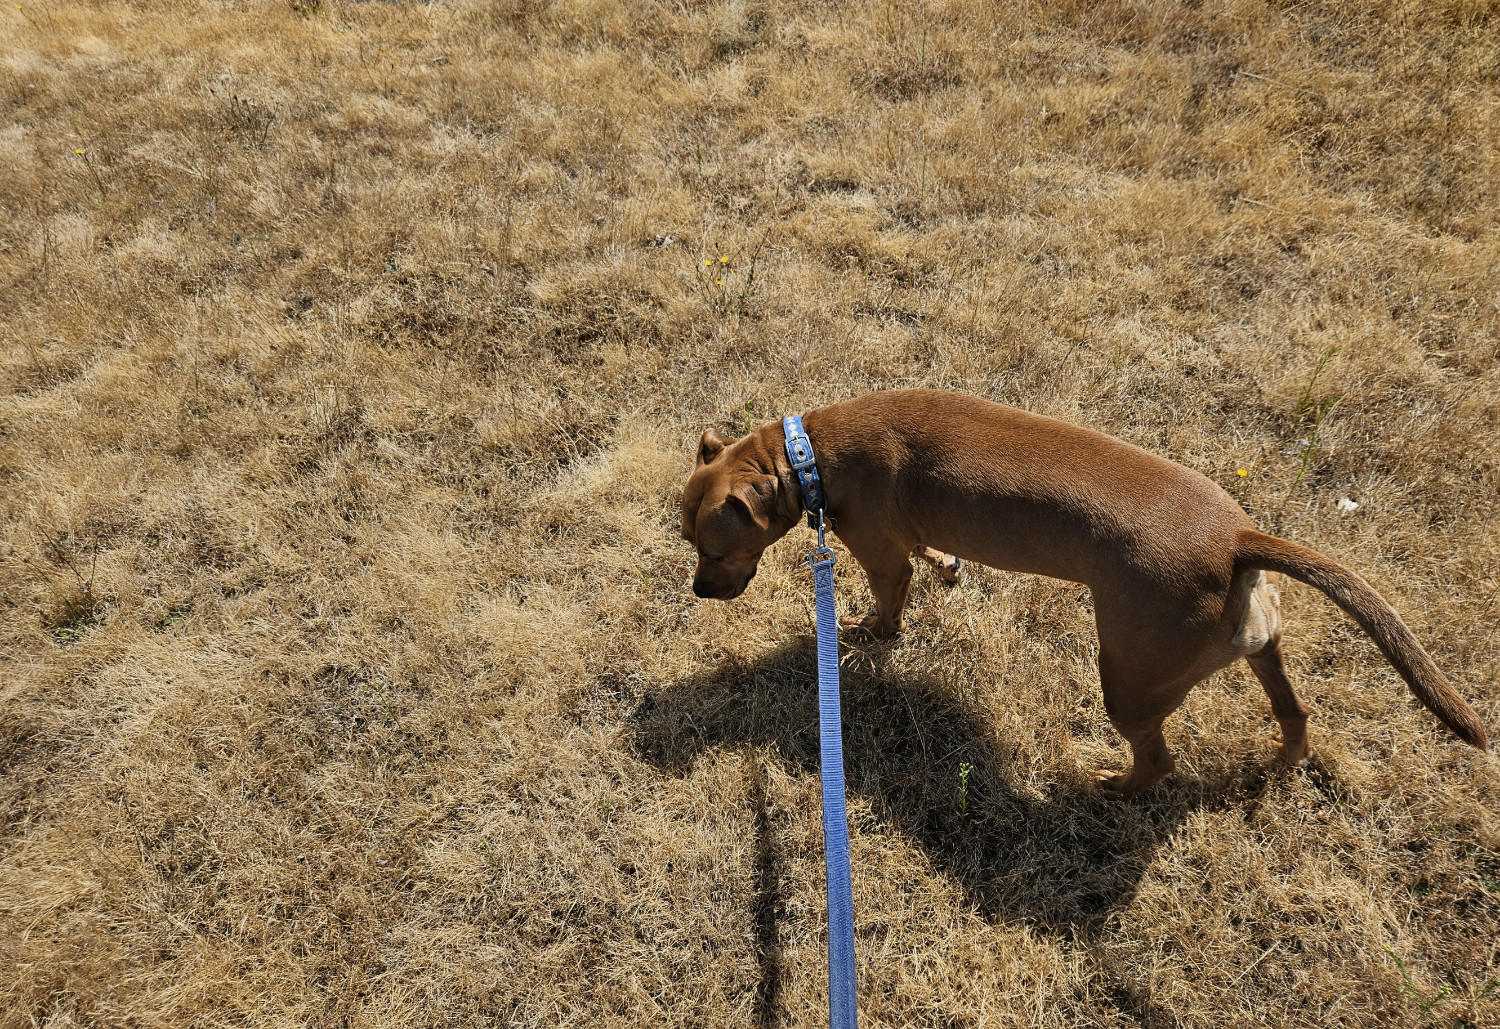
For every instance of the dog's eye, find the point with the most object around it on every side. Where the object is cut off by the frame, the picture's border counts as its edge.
(716, 560)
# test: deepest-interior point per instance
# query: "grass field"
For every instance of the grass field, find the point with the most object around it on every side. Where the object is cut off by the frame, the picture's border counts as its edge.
(352, 358)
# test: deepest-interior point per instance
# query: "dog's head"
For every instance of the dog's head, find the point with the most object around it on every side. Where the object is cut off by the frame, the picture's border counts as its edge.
(733, 508)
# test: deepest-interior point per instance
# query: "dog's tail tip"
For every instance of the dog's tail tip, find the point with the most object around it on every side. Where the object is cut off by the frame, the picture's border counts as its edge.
(1461, 719)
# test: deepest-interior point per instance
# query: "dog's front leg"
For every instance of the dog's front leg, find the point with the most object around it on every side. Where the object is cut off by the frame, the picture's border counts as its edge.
(890, 579)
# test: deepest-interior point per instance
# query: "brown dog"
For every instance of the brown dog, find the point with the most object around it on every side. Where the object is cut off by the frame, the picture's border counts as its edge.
(1175, 566)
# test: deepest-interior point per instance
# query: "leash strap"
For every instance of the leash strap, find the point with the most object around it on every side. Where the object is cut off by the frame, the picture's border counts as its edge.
(842, 1011)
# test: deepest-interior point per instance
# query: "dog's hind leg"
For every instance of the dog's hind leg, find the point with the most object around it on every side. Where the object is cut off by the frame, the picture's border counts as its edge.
(1147, 666)
(1136, 711)
(1289, 711)
(950, 568)
(1150, 658)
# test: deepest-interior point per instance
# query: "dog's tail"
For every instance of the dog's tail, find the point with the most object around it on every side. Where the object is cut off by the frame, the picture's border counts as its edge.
(1361, 602)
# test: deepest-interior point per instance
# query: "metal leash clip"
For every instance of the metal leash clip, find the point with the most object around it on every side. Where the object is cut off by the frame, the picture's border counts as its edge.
(822, 553)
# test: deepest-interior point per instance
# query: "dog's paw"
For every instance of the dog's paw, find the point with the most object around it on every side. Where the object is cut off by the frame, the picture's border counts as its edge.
(1298, 756)
(949, 568)
(1109, 780)
(1116, 784)
(865, 625)
(951, 571)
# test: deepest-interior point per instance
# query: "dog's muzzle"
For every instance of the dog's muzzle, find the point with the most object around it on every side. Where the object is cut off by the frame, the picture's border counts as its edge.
(714, 591)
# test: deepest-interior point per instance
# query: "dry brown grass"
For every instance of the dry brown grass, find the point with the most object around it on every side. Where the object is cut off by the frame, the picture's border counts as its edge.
(350, 674)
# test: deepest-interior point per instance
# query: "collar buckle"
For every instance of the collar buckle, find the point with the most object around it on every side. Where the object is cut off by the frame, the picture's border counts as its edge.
(800, 454)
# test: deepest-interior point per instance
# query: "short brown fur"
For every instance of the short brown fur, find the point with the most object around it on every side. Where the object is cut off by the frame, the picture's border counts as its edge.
(1175, 566)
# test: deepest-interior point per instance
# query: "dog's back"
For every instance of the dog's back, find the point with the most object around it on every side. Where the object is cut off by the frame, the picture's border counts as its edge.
(1028, 493)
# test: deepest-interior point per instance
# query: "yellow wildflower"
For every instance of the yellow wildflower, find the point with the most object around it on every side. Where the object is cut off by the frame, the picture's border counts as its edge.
(1241, 473)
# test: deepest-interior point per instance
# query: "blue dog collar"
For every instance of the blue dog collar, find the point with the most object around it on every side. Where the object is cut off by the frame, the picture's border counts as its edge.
(799, 451)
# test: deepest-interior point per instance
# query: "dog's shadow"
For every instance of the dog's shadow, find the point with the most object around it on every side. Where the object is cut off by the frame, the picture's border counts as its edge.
(1059, 858)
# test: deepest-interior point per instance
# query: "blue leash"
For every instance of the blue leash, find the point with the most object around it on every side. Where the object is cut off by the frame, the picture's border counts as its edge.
(842, 1013)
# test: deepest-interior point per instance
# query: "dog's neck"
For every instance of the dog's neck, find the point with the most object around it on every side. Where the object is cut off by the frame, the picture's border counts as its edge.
(769, 453)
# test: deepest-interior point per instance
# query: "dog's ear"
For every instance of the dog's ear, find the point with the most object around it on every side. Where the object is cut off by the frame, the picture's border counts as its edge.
(758, 498)
(710, 446)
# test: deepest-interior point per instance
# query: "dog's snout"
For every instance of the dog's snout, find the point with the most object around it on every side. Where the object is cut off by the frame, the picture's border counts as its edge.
(709, 590)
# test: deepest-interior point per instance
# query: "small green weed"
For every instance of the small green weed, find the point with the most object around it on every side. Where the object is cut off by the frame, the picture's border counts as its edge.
(175, 617)
(68, 624)
(1306, 402)
(1425, 1002)
(29, 13)
(387, 704)
(93, 172)
(724, 286)
(1307, 446)
(967, 820)
(75, 608)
